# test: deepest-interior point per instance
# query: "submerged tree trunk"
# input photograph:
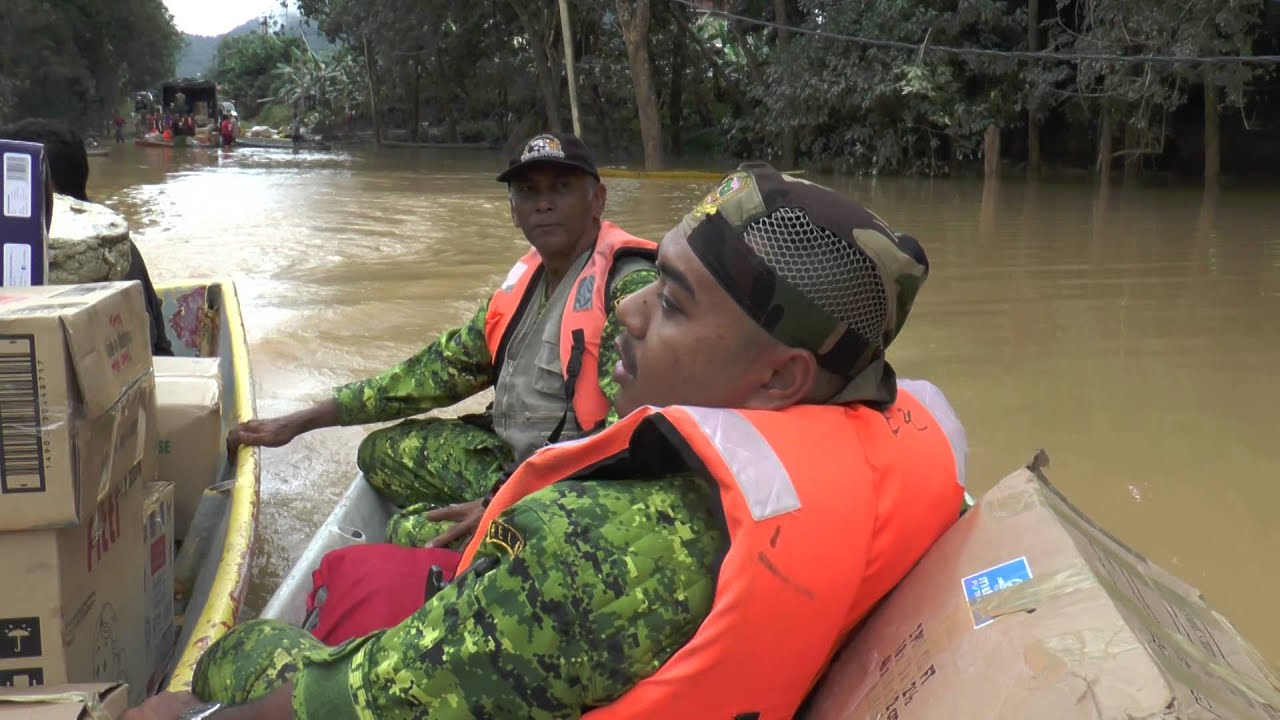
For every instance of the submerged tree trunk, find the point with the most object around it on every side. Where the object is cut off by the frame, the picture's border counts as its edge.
(988, 211)
(1033, 125)
(373, 95)
(547, 83)
(1104, 145)
(991, 152)
(784, 40)
(1212, 143)
(675, 97)
(452, 125)
(633, 16)
(548, 78)
(602, 119)
(1133, 152)
(417, 99)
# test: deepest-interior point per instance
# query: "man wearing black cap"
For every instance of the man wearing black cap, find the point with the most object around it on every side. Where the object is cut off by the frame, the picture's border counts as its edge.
(705, 555)
(544, 342)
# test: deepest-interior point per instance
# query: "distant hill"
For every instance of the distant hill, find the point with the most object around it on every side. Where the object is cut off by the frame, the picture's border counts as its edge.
(196, 57)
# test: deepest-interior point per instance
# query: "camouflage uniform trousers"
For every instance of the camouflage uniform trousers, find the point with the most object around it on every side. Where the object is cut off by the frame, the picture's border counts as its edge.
(252, 660)
(422, 464)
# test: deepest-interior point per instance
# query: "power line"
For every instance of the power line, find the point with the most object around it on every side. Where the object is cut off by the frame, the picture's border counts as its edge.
(982, 52)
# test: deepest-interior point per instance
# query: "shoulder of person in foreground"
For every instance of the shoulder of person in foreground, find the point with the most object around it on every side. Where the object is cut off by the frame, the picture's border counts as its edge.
(522, 637)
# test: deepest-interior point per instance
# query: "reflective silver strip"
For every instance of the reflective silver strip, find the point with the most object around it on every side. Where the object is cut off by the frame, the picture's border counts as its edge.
(928, 395)
(760, 475)
(516, 272)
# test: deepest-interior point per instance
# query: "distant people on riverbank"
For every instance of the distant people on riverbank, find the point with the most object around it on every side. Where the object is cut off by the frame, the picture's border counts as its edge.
(227, 130)
(118, 123)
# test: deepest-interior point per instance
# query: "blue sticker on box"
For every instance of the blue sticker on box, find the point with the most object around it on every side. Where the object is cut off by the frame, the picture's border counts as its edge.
(993, 580)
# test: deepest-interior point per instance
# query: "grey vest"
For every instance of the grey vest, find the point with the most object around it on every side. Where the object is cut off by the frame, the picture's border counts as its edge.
(529, 394)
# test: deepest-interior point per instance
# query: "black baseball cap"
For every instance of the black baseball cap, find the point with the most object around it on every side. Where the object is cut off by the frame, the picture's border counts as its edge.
(564, 149)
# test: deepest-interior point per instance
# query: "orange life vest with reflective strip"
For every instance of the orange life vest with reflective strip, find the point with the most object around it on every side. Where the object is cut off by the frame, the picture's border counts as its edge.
(585, 313)
(826, 508)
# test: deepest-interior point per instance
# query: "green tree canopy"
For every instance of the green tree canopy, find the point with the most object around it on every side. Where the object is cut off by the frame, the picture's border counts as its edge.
(246, 68)
(77, 60)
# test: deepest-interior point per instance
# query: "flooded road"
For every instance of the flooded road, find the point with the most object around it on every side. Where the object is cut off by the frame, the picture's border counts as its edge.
(1134, 334)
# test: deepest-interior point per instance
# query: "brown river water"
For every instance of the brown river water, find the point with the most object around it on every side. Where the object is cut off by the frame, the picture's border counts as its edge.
(1134, 334)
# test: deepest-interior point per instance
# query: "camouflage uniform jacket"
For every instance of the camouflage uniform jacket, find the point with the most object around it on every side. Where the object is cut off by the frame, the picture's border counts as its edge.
(458, 365)
(594, 585)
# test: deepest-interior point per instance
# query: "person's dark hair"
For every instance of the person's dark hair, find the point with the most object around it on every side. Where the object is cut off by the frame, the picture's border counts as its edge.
(64, 148)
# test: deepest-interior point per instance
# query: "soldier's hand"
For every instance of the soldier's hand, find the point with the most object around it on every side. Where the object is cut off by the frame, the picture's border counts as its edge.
(165, 706)
(274, 432)
(465, 516)
(268, 432)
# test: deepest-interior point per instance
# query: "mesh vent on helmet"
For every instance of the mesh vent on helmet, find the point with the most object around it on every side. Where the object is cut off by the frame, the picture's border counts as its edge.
(832, 272)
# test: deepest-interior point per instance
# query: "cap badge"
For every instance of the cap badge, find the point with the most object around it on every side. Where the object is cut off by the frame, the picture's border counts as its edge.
(542, 146)
(729, 187)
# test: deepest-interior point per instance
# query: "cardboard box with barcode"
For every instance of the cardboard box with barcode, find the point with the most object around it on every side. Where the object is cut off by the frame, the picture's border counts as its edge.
(72, 604)
(157, 537)
(77, 415)
(1026, 609)
(189, 399)
(24, 250)
(82, 701)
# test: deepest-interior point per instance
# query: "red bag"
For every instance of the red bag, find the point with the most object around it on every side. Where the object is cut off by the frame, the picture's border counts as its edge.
(360, 589)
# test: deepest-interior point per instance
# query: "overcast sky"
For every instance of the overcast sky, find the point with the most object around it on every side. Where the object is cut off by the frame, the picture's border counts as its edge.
(202, 17)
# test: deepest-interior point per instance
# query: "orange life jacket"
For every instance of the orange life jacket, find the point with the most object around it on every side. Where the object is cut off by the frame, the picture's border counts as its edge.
(584, 317)
(826, 508)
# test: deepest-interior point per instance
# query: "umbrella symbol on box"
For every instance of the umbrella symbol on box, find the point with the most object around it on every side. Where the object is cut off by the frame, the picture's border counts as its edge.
(17, 634)
(22, 637)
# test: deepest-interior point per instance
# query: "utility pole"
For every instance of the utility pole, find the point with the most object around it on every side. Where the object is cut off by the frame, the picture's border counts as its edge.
(568, 66)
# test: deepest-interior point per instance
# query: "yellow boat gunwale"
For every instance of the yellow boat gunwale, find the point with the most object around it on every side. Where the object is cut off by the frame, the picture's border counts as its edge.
(231, 582)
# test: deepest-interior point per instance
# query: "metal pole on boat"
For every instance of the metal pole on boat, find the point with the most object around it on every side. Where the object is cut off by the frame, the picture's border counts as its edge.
(568, 65)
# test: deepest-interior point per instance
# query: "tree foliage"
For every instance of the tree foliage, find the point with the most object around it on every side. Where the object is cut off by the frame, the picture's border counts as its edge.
(247, 68)
(1143, 97)
(77, 60)
(321, 89)
(659, 79)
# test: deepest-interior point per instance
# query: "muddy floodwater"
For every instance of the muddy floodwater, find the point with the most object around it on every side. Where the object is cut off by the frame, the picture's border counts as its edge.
(1134, 334)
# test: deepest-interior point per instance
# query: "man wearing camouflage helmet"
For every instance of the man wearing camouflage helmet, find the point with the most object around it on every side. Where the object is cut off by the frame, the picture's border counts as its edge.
(544, 341)
(704, 556)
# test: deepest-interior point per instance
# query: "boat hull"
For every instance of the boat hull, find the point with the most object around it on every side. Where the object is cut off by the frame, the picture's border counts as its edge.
(204, 319)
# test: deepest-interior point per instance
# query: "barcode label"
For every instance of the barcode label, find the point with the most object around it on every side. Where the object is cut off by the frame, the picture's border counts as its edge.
(21, 456)
(17, 265)
(17, 185)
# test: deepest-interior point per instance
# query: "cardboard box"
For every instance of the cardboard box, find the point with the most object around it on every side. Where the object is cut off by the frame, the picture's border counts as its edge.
(157, 538)
(85, 701)
(24, 251)
(77, 400)
(192, 447)
(1025, 609)
(72, 599)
